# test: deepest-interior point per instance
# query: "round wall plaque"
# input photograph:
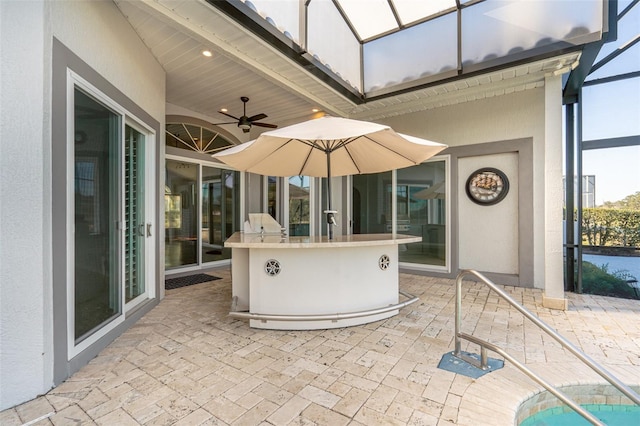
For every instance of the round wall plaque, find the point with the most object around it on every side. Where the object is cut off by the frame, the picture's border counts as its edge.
(487, 186)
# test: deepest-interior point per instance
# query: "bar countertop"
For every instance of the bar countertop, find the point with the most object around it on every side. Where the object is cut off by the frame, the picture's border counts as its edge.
(278, 241)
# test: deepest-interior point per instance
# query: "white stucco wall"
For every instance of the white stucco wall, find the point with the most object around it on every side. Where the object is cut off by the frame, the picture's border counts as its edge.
(25, 252)
(507, 117)
(97, 32)
(488, 235)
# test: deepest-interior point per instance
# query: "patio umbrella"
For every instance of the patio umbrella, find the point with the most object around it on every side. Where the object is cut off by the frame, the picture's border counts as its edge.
(435, 191)
(328, 147)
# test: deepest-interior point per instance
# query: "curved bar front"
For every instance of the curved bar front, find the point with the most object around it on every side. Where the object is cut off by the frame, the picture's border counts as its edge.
(275, 276)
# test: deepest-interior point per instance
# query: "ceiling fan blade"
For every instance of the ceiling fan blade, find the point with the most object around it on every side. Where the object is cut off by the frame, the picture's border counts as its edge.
(271, 126)
(230, 122)
(257, 117)
(228, 115)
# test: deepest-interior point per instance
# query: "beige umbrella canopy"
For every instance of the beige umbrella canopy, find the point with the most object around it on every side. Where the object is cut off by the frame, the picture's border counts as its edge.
(435, 191)
(354, 147)
(327, 147)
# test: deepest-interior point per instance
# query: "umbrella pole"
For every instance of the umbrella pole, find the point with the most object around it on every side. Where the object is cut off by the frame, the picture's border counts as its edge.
(331, 221)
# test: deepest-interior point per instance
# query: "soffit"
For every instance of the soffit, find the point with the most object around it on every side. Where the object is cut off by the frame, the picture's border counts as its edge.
(176, 31)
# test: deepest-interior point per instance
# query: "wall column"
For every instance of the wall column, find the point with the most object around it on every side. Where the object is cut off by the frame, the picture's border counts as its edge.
(553, 296)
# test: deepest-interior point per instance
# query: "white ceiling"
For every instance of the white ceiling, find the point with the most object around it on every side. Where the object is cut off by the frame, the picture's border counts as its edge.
(176, 32)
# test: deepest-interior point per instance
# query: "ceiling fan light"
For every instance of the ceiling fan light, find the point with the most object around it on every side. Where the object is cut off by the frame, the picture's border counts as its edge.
(244, 124)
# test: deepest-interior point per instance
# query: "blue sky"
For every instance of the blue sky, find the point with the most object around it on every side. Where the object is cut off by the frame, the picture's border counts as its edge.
(613, 110)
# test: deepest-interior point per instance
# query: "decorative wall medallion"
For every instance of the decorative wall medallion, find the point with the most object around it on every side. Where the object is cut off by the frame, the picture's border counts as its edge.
(487, 186)
(384, 262)
(272, 267)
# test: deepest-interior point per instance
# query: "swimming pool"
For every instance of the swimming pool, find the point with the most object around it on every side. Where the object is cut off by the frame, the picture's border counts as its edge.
(601, 400)
(609, 414)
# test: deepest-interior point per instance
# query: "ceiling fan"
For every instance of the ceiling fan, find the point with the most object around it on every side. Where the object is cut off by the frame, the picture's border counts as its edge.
(245, 122)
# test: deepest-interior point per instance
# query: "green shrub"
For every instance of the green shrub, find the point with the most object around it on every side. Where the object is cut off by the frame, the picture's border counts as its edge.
(611, 227)
(598, 280)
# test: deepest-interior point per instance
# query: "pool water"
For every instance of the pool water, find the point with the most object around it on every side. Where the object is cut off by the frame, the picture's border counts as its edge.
(611, 415)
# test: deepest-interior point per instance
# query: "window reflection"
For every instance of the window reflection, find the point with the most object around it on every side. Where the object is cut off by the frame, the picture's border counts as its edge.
(218, 206)
(96, 192)
(299, 199)
(181, 214)
(220, 198)
(272, 197)
(421, 211)
(371, 203)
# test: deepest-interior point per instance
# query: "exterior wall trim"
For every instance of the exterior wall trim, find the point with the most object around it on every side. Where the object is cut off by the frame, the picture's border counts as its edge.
(64, 59)
(524, 148)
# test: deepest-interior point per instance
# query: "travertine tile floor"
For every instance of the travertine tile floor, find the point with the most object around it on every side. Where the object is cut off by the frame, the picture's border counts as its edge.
(188, 363)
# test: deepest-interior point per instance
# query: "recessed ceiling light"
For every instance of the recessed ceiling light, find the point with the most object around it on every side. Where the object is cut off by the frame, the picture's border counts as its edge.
(224, 109)
(207, 53)
(315, 110)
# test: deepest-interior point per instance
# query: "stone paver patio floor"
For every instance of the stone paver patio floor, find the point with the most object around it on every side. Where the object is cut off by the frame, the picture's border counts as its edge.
(187, 363)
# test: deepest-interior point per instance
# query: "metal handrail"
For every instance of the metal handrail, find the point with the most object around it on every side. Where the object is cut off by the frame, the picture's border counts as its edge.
(326, 317)
(627, 391)
(559, 394)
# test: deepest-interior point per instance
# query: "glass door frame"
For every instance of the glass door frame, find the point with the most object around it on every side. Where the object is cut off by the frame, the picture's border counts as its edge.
(150, 229)
(278, 204)
(75, 81)
(200, 164)
(446, 268)
(282, 201)
(225, 212)
(394, 213)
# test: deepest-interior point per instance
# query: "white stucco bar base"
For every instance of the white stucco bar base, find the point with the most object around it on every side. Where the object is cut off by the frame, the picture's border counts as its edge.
(312, 276)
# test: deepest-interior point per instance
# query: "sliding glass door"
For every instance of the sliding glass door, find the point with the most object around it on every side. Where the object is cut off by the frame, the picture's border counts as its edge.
(421, 210)
(202, 210)
(96, 203)
(181, 214)
(220, 211)
(407, 201)
(371, 203)
(111, 197)
(137, 228)
(299, 205)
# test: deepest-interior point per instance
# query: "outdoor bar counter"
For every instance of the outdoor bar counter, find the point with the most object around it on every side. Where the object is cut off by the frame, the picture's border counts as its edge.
(304, 283)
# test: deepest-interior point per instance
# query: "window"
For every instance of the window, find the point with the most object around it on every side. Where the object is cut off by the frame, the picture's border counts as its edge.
(96, 152)
(299, 205)
(421, 200)
(202, 210)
